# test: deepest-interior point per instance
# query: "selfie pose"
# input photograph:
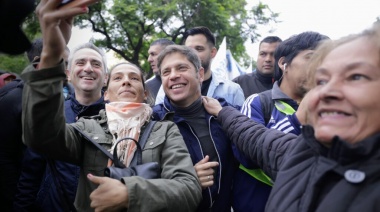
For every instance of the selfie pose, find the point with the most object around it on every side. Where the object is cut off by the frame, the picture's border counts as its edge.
(127, 115)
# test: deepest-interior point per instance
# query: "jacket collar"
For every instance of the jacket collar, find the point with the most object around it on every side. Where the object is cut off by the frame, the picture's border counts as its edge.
(342, 151)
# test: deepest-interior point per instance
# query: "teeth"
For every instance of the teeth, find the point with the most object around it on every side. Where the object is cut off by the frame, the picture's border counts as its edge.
(88, 78)
(177, 86)
(323, 114)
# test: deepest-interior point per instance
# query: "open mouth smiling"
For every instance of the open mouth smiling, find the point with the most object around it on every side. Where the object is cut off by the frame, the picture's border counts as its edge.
(176, 86)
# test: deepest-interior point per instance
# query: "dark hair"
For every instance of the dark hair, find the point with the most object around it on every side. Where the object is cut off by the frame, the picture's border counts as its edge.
(162, 42)
(150, 99)
(292, 46)
(271, 39)
(190, 54)
(200, 30)
(35, 50)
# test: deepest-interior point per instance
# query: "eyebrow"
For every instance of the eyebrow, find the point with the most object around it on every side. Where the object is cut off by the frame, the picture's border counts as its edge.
(347, 67)
(91, 60)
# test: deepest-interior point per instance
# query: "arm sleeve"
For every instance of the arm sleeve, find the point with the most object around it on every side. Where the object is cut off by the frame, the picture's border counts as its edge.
(178, 189)
(252, 109)
(261, 146)
(43, 119)
(239, 96)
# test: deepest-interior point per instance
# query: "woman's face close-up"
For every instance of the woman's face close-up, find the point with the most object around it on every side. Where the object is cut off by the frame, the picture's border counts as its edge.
(346, 100)
(125, 85)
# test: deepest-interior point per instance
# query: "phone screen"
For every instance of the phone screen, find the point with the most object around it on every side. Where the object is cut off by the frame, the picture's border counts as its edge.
(63, 2)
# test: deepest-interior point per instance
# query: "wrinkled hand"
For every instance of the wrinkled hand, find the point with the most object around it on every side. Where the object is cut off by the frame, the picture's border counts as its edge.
(111, 195)
(205, 172)
(211, 105)
(56, 27)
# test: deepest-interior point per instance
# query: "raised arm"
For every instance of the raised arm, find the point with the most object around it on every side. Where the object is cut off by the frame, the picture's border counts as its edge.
(44, 125)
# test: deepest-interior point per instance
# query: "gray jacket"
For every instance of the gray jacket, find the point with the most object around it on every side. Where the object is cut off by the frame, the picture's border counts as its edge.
(45, 131)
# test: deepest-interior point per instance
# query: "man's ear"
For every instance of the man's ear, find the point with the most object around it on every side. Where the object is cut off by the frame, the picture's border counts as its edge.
(201, 73)
(213, 52)
(105, 79)
(281, 63)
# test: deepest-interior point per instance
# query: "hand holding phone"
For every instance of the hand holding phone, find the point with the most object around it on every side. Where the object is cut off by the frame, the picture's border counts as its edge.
(76, 3)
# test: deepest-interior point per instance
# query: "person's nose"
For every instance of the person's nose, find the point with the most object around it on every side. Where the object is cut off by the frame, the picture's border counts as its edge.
(88, 67)
(150, 59)
(174, 75)
(268, 58)
(126, 81)
(332, 90)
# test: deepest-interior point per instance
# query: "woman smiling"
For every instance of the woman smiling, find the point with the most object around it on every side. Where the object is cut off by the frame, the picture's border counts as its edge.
(334, 164)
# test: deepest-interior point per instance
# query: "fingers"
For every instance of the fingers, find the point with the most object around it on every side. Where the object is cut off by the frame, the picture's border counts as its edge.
(204, 160)
(95, 179)
(207, 181)
(205, 171)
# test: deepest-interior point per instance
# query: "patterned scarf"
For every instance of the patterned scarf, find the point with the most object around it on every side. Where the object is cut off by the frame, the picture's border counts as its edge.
(125, 119)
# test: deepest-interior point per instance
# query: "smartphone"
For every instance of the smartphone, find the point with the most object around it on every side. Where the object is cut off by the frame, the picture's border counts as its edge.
(76, 3)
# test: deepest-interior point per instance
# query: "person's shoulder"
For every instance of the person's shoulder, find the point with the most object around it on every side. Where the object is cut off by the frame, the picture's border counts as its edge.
(243, 77)
(17, 83)
(267, 92)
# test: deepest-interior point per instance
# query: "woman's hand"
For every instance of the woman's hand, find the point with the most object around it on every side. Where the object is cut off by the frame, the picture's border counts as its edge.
(56, 24)
(111, 194)
(211, 105)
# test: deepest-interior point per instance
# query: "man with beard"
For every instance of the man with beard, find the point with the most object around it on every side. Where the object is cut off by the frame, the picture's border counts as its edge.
(203, 42)
(154, 83)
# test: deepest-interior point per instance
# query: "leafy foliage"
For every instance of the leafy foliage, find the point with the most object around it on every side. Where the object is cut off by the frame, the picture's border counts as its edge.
(129, 26)
(14, 64)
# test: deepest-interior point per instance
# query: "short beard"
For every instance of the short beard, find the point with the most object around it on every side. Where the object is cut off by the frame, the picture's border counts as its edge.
(206, 65)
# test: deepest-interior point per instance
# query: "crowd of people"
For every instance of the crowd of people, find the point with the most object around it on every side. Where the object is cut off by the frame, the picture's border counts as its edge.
(299, 133)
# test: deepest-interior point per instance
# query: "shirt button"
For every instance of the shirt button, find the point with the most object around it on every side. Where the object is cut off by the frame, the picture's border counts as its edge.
(151, 143)
(95, 137)
(354, 176)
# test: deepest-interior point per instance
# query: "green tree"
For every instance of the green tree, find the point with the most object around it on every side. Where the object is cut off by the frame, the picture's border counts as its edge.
(129, 26)
(17, 63)
(14, 64)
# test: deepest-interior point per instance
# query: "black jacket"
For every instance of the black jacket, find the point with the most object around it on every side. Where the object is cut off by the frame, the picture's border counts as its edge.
(254, 82)
(309, 176)
(11, 146)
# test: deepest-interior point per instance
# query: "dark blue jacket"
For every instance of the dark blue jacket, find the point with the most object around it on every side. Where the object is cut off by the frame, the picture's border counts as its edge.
(11, 146)
(219, 196)
(39, 188)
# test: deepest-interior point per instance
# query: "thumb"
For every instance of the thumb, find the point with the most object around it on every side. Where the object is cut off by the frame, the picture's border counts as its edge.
(95, 179)
(204, 99)
(204, 160)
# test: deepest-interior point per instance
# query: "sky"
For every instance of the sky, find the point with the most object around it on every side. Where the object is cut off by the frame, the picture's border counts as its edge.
(334, 18)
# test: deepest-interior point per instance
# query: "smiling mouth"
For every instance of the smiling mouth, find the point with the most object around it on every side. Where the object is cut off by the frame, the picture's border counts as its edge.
(88, 78)
(332, 113)
(177, 86)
